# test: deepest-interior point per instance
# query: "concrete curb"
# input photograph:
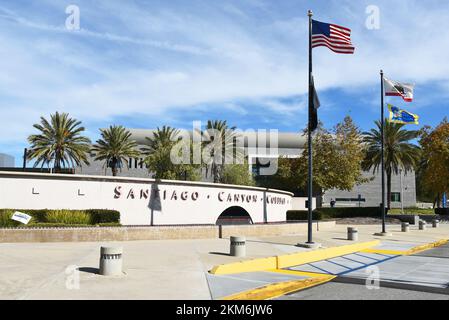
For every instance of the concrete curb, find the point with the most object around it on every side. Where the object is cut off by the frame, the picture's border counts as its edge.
(285, 261)
(279, 289)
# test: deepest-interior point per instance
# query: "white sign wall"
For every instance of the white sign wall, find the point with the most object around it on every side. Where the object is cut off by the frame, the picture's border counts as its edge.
(141, 201)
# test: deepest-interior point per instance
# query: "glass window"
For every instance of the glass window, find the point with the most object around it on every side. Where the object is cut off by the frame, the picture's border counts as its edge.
(395, 197)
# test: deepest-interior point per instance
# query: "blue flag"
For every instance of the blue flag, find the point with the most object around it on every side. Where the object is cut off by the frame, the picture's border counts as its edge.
(401, 116)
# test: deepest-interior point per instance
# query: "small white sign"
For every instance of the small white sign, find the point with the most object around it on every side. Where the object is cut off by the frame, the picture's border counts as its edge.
(21, 217)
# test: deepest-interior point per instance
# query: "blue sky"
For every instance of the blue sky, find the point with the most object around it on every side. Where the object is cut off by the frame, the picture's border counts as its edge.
(143, 64)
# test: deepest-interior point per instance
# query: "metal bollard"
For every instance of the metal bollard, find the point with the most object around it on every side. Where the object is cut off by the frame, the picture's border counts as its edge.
(111, 261)
(405, 227)
(353, 234)
(422, 225)
(435, 223)
(238, 246)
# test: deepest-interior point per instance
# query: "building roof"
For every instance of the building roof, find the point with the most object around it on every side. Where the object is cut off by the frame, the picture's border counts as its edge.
(285, 140)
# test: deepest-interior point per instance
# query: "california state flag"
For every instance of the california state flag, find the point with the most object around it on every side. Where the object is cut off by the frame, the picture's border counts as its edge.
(396, 89)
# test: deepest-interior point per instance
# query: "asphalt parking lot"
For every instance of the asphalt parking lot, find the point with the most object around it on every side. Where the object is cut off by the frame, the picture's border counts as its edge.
(422, 276)
(388, 270)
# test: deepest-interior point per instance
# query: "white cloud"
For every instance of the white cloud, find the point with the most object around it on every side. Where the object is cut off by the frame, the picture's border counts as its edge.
(130, 58)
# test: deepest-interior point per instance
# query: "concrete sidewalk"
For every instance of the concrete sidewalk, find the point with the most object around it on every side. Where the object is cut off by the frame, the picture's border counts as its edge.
(175, 269)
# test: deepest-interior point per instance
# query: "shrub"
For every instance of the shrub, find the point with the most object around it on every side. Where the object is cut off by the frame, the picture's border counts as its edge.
(56, 225)
(413, 211)
(302, 215)
(111, 224)
(104, 216)
(5, 219)
(442, 211)
(62, 225)
(60, 218)
(335, 213)
(68, 217)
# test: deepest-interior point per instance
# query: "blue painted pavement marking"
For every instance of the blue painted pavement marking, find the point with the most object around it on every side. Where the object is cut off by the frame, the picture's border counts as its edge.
(345, 264)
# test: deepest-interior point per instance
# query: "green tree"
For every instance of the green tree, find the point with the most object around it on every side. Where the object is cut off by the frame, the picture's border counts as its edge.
(237, 174)
(399, 152)
(434, 169)
(162, 148)
(115, 147)
(60, 142)
(337, 160)
(220, 146)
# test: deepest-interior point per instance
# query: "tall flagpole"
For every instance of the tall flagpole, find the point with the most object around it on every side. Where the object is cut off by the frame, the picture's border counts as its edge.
(384, 231)
(310, 184)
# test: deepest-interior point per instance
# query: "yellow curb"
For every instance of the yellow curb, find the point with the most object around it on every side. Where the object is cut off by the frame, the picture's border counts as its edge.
(428, 246)
(411, 251)
(301, 258)
(298, 273)
(286, 261)
(388, 252)
(275, 290)
(246, 266)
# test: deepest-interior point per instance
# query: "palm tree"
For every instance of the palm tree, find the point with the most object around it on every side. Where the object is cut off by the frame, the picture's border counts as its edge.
(399, 152)
(158, 152)
(115, 147)
(165, 137)
(219, 137)
(161, 147)
(60, 141)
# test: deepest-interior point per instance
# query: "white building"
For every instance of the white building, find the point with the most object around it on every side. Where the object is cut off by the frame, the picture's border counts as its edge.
(6, 161)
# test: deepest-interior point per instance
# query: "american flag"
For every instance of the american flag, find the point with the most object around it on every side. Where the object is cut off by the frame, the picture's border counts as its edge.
(336, 38)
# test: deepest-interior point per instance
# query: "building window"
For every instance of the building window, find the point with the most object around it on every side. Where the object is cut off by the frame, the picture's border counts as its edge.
(351, 199)
(395, 197)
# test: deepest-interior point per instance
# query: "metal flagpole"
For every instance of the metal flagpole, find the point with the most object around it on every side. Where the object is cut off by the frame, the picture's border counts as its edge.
(402, 192)
(310, 185)
(384, 231)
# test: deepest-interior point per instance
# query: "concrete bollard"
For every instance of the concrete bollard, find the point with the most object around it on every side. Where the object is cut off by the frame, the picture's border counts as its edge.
(111, 261)
(435, 224)
(416, 220)
(353, 234)
(238, 246)
(422, 225)
(405, 227)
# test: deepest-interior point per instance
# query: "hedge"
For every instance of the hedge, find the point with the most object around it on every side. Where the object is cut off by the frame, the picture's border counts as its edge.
(442, 211)
(56, 218)
(335, 213)
(412, 211)
(63, 225)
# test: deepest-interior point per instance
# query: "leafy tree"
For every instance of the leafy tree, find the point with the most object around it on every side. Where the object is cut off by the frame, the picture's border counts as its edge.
(237, 174)
(60, 142)
(160, 151)
(115, 147)
(399, 152)
(219, 141)
(337, 159)
(434, 170)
